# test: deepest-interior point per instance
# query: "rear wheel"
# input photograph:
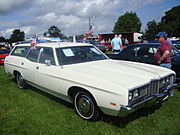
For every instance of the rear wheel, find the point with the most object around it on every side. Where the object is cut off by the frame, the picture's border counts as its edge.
(86, 107)
(20, 81)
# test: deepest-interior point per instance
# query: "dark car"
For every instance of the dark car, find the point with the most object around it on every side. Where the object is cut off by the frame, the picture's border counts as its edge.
(176, 44)
(95, 43)
(145, 53)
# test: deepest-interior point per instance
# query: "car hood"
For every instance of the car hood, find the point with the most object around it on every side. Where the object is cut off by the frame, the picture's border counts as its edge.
(115, 74)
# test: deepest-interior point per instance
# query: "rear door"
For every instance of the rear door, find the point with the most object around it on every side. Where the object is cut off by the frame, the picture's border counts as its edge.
(30, 65)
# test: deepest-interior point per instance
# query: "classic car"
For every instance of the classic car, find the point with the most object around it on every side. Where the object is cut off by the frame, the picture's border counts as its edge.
(81, 74)
(3, 54)
(145, 53)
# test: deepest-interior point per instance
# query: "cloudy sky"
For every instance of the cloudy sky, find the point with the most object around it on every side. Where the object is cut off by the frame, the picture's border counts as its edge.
(71, 16)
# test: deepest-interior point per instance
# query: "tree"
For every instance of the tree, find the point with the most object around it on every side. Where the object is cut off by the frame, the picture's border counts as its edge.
(129, 22)
(171, 21)
(17, 35)
(54, 31)
(152, 29)
(2, 39)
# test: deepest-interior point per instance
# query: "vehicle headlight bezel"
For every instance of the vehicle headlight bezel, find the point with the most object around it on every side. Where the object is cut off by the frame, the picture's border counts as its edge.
(138, 93)
(130, 95)
(166, 81)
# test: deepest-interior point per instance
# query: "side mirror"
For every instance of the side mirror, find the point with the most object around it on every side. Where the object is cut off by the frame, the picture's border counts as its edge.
(48, 62)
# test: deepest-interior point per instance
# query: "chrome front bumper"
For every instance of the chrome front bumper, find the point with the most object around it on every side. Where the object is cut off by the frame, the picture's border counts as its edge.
(157, 98)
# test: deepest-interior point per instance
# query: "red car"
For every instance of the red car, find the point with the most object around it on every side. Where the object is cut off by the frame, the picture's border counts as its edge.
(3, 54)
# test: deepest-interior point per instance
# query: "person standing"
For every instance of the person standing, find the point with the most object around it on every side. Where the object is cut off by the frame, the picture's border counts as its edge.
(163, 54)
(102, 42)
(116, 44)
(126, 42)
(121, 43)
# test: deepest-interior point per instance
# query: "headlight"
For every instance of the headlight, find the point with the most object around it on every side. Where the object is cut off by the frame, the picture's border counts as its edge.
(130, 95)
(135, 93)
(163, 82)
(172, 78)
(138, 92)
(143, 91)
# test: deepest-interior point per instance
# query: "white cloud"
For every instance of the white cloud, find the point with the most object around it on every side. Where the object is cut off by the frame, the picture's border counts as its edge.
(7, 32)
(71, 16)
(7, 6)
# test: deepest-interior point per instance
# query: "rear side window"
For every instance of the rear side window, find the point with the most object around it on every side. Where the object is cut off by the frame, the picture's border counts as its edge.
(33, 55)
(47, 54)
(20, 51)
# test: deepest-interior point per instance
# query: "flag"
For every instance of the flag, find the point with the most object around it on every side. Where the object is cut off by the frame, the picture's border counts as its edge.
(91, 27)
(34, 42)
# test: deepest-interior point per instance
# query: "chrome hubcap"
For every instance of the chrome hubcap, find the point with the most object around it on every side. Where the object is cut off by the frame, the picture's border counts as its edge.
(84, 104)
(20, 81)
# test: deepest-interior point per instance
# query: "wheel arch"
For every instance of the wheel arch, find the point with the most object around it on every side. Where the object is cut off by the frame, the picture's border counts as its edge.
(15, 72)
(72, 91)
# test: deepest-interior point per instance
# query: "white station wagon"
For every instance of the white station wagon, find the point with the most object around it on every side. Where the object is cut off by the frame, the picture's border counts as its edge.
(81, 74)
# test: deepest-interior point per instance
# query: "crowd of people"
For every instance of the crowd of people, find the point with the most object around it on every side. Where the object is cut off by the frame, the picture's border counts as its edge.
(118, 43)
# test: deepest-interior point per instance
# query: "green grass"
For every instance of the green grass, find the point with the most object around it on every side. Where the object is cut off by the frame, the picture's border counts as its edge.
(30, 112)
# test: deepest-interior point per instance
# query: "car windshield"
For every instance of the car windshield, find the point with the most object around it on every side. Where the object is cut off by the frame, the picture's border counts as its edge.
(4, 51)
(78, 54)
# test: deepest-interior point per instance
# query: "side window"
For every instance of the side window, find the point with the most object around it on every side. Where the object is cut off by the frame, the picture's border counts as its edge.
(47, 54)
(134, 51)
(154, 49)
(151, 50)
(33, 55)
(144, 50)
(20, 51)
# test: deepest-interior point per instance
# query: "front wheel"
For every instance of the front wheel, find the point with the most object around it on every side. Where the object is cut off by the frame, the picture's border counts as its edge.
(20, 81)
(86, 107)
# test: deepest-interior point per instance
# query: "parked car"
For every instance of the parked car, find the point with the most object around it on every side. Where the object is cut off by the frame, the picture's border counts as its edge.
(81, 74)
(145, 53)
(95, 43)
(3, 54)
(108, 45)
(176, 44)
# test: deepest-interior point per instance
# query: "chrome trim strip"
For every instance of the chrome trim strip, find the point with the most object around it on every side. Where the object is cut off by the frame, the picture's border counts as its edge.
(51, 92)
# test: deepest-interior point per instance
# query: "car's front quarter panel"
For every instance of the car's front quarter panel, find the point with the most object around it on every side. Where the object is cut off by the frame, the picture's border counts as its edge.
(107, 101)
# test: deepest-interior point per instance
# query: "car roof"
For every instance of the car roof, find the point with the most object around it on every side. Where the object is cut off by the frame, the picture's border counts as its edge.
(144, 44)
(57, 44)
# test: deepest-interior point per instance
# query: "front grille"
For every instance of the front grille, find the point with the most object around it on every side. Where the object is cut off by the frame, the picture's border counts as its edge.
(153, 87)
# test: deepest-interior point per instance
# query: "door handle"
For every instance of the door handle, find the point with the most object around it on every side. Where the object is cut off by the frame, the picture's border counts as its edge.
(22, 63)
(37, 67)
